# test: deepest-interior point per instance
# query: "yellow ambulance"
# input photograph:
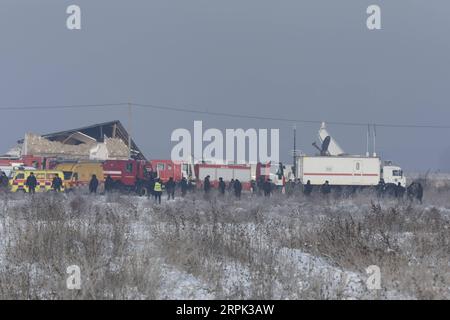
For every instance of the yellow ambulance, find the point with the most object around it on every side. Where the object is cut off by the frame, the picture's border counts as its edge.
(44, 179)
(79, 174)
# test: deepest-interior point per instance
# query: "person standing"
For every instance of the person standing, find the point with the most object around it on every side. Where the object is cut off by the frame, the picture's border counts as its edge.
(307, 188)
(415, 192)
(381, 188)
(191, 186)
(31, 183)
(260, 185)
(3, 180)
(253, 186)
(222, 186)
(184, 186)
(93, 184)
(237, 188)
(170, 188)
(419, 192)
(150, 186)
(157, 190)
(267, 187)
(206, 185)
(57, 183)
(326, 188)
(289, 188)
(298, 187)
(399, 191)
(109, 183)
(230, 185)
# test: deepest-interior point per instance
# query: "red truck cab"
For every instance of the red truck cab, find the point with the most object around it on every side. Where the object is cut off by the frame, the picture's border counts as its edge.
(129, 174)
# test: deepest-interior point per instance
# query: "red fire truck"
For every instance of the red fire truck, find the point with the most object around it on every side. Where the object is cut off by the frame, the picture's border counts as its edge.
(129, 175)
(134, 174)
(166, 169)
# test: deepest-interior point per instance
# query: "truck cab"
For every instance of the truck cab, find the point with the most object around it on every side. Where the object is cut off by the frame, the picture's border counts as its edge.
(392, 174)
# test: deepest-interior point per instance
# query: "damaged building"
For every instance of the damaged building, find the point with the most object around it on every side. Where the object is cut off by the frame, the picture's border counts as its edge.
(109, 140)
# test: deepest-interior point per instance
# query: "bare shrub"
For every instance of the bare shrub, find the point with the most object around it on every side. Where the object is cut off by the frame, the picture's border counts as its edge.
(255, 248)
(48, 233)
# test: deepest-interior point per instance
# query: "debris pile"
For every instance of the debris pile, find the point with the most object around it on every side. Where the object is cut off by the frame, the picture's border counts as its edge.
(117, 149)
(112, 148)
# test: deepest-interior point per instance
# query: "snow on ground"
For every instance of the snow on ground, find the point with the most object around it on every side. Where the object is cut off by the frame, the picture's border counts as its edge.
(180, 285)
(295, 273)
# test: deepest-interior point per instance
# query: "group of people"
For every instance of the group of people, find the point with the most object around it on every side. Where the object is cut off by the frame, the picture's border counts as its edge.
(291, 187)
(32, 183)
(263, 186)
(57, 183)
(93, 184)
(413, 192)
(235, 186)
(266, 187)
(156, 186)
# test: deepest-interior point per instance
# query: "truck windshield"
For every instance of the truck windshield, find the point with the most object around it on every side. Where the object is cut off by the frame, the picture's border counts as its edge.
(20, 176)
(67, 175)
(397, 173)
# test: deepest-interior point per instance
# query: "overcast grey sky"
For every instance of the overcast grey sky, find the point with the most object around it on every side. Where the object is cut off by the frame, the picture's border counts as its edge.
(304, 59)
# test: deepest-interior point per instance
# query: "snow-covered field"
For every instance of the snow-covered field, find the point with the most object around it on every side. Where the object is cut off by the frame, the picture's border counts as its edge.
(128, 247)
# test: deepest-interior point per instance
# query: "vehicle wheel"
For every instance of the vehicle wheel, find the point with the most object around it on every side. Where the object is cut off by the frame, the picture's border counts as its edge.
(142, 191)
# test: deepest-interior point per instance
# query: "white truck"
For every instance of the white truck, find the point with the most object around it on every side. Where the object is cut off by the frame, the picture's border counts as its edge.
(348, 171)
(226, 172)
(340, 169)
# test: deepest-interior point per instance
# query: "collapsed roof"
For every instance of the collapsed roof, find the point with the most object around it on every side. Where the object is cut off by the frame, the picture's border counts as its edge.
(96, 133)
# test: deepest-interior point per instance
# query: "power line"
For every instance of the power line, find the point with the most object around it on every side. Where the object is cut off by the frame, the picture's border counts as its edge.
(236, 115)
(73, 106)
(220, 114)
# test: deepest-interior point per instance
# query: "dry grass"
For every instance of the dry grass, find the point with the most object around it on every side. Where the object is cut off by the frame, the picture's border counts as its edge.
(44, 235)
(409, 242)
(256, 248)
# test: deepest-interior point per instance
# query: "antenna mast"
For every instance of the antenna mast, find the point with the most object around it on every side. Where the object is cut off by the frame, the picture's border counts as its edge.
(294, 168)
(367, 141)
(374, 140)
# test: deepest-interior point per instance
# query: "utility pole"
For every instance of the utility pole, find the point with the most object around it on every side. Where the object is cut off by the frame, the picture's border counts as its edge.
(367, 142)
(374, 140)
(294, 168)
(130, 128)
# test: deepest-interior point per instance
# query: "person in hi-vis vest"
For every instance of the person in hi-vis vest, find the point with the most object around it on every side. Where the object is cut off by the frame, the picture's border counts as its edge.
(157, 190)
